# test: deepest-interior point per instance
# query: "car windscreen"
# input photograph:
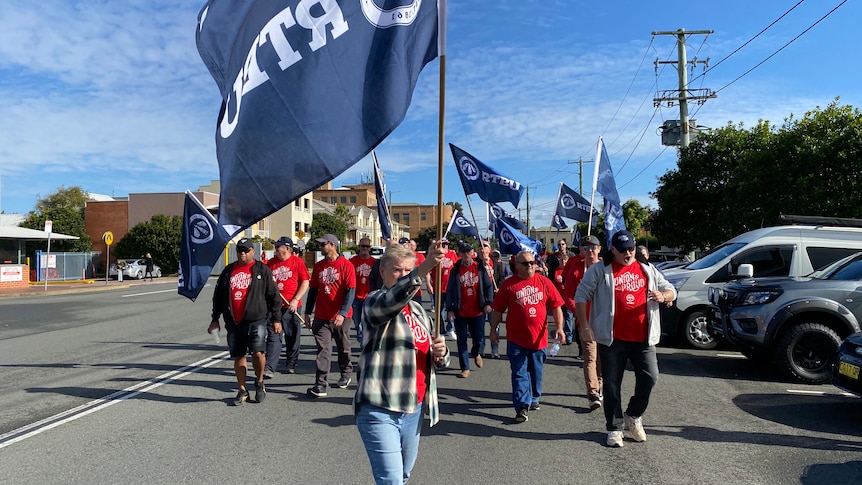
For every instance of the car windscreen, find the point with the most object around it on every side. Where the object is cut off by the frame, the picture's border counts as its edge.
(848, 269)
(715, 256)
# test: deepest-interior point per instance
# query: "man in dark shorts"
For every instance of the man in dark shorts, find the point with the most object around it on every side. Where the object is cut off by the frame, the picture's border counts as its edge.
(244, 294)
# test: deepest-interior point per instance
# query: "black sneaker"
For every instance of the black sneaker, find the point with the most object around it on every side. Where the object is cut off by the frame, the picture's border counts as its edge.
(534, 406)
(343, 382)
(317, 391)
(260, 391)
(522, 415)
(241, 397)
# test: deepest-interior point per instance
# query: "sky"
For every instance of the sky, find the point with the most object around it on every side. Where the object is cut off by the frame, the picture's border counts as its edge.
(112, 95)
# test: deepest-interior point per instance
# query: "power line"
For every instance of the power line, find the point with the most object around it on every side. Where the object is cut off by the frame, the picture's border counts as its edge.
(782, 47)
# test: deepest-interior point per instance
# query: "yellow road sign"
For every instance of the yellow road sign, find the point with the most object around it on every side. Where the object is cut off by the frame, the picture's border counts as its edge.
(300, 234)
(108, 237)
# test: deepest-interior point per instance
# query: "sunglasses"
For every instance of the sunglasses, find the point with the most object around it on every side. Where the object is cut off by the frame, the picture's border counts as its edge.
(589, 248)
(527, 264)
(243, 250)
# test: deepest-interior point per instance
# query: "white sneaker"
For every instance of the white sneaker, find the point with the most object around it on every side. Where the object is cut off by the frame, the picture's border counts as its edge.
(615, 439)
(451, 336)
(595, 403)
(635, 427)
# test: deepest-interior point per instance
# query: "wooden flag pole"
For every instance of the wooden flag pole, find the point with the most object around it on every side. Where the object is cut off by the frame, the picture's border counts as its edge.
(441, 47)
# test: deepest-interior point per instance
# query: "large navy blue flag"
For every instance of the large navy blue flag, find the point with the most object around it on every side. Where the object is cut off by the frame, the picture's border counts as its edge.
(480, 179)
(571, 205)
(513, 241)
(308, 89)
(603, 183)
(202, 242)
(382, 205)
(496, 212)
(460, 226)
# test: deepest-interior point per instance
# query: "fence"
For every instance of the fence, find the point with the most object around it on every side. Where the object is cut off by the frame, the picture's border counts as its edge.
(64, 266)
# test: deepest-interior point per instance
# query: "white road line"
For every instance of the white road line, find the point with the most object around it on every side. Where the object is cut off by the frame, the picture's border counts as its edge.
(174, 290)
(128, 393)
(731, 356)
(820, 393)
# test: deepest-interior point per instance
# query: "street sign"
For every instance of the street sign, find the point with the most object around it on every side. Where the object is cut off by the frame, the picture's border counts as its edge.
(49, 225)
(300, 234)
(108, 237)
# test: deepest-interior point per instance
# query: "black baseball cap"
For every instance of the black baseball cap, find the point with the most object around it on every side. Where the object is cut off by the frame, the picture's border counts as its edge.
(284, 241)
(244, 243)
(623, 240)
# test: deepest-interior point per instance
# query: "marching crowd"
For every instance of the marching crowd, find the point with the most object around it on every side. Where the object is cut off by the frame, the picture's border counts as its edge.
(606, 303)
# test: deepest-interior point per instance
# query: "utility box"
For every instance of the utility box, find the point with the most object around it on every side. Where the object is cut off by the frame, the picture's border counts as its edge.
(671, 132)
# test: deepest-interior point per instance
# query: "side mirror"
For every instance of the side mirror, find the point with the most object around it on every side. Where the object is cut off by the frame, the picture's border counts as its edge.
(745, 271)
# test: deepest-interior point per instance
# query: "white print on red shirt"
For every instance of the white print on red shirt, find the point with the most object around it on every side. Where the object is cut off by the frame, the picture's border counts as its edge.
(420, 335)
(282, 274)
(629, 282)
(529, 295)
(240, 281)
(446, 264)
(363, 270)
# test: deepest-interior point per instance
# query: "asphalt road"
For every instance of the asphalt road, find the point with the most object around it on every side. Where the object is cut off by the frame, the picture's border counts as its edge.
(126, 386)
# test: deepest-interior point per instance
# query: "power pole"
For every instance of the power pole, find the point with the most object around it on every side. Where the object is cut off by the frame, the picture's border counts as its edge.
(528, 211)
(581, 163)
(683, 94)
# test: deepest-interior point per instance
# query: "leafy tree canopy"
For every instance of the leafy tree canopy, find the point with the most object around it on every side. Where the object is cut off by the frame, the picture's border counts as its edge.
(65, 208)
(731, 180)
(324, 223)
(160, 237)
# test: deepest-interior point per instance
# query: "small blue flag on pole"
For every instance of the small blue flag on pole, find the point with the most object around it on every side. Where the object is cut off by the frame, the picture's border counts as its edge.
(202, 242)
(572, 205)
(603, 183)
(512, 241)
(460, 226)
(496, 212)
(382, 205)
(480, 179)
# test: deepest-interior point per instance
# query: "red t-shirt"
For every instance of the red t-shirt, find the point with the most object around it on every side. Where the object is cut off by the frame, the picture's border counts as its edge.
(468, 279)
(422, 343)
(332, 280)
(446, 264)
(630, 299)
(240, 280)
(527, 301)
(363, 271)
(288, 274)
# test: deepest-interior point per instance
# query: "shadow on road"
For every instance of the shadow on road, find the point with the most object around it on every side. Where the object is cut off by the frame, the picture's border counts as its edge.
(833, 473)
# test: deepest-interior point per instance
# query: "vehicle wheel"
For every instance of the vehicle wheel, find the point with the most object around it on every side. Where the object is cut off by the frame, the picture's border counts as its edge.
(697, 333)
(806, 352)
(140, 275)
(158, 273)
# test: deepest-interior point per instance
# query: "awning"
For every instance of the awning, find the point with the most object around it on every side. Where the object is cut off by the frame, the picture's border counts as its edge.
(25, 234)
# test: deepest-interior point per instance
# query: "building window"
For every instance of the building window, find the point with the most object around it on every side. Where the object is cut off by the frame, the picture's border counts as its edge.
(405, 217)
(325, 199)
(352, 199)
(396, 217)
(306, 228)
(306, 203)
(343, 199)
(296, 227)
(296, 203)
(422, 216)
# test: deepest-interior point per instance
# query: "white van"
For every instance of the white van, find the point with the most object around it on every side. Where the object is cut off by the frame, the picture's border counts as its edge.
(795, 250)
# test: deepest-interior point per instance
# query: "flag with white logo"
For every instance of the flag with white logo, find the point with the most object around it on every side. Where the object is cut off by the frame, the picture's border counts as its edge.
(202, 242)
(572, 205)
(577, 238)
(495, 212)
(308, 89)
(460, 226)
(558, 222)
(480, 179)
(512, 241)
(382, 205)
(603, 183)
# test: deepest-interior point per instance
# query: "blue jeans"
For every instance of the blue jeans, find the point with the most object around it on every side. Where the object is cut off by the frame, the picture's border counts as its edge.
(357, 319)
(614, 358)
(476, 326)
(291, 329)
(391, 441)
(567, 325)
(527, 369)
(447, 325)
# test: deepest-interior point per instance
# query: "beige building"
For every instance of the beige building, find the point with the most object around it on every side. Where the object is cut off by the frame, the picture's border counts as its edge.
(364, 222)
(418, 217)
(348, 195)
(292, 220)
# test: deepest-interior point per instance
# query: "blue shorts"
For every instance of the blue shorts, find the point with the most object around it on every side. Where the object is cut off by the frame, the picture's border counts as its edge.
(246, 337)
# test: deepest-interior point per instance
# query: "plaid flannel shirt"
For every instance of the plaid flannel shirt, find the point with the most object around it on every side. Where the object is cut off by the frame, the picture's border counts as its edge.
(387, 363)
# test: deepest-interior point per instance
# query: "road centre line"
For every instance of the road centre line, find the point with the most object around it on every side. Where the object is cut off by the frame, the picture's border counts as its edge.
(819, 393)
(149, 293)
(96, 405)
(731, 356)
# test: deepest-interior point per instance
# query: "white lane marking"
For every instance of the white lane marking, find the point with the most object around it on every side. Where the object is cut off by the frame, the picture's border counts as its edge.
(731, 356)
(820, 393)
(149, 293)
(72, 414)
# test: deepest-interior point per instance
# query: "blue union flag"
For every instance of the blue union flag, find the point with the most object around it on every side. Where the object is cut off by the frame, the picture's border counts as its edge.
(202, 242)
(480, 179)
(308, 89)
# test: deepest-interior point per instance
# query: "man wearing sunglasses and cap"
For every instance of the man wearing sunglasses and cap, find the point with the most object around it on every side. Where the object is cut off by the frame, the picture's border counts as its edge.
(625, 291)
(291, 277)
(527, 297)
(244, 293)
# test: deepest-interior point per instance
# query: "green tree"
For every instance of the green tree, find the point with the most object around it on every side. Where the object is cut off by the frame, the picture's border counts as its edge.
(160, 236)
(65, 208)
(731, 180)
(636, 217)
(324, 223)
(456, 206)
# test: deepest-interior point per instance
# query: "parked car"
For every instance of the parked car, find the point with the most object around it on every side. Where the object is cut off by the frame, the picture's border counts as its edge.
(790, 250)
(845, 374)
(796, 323)
(133, 268)
(377, 251)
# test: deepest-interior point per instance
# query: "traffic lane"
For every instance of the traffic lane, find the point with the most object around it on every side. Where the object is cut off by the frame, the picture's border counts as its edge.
(99, 344)
(186, 432)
